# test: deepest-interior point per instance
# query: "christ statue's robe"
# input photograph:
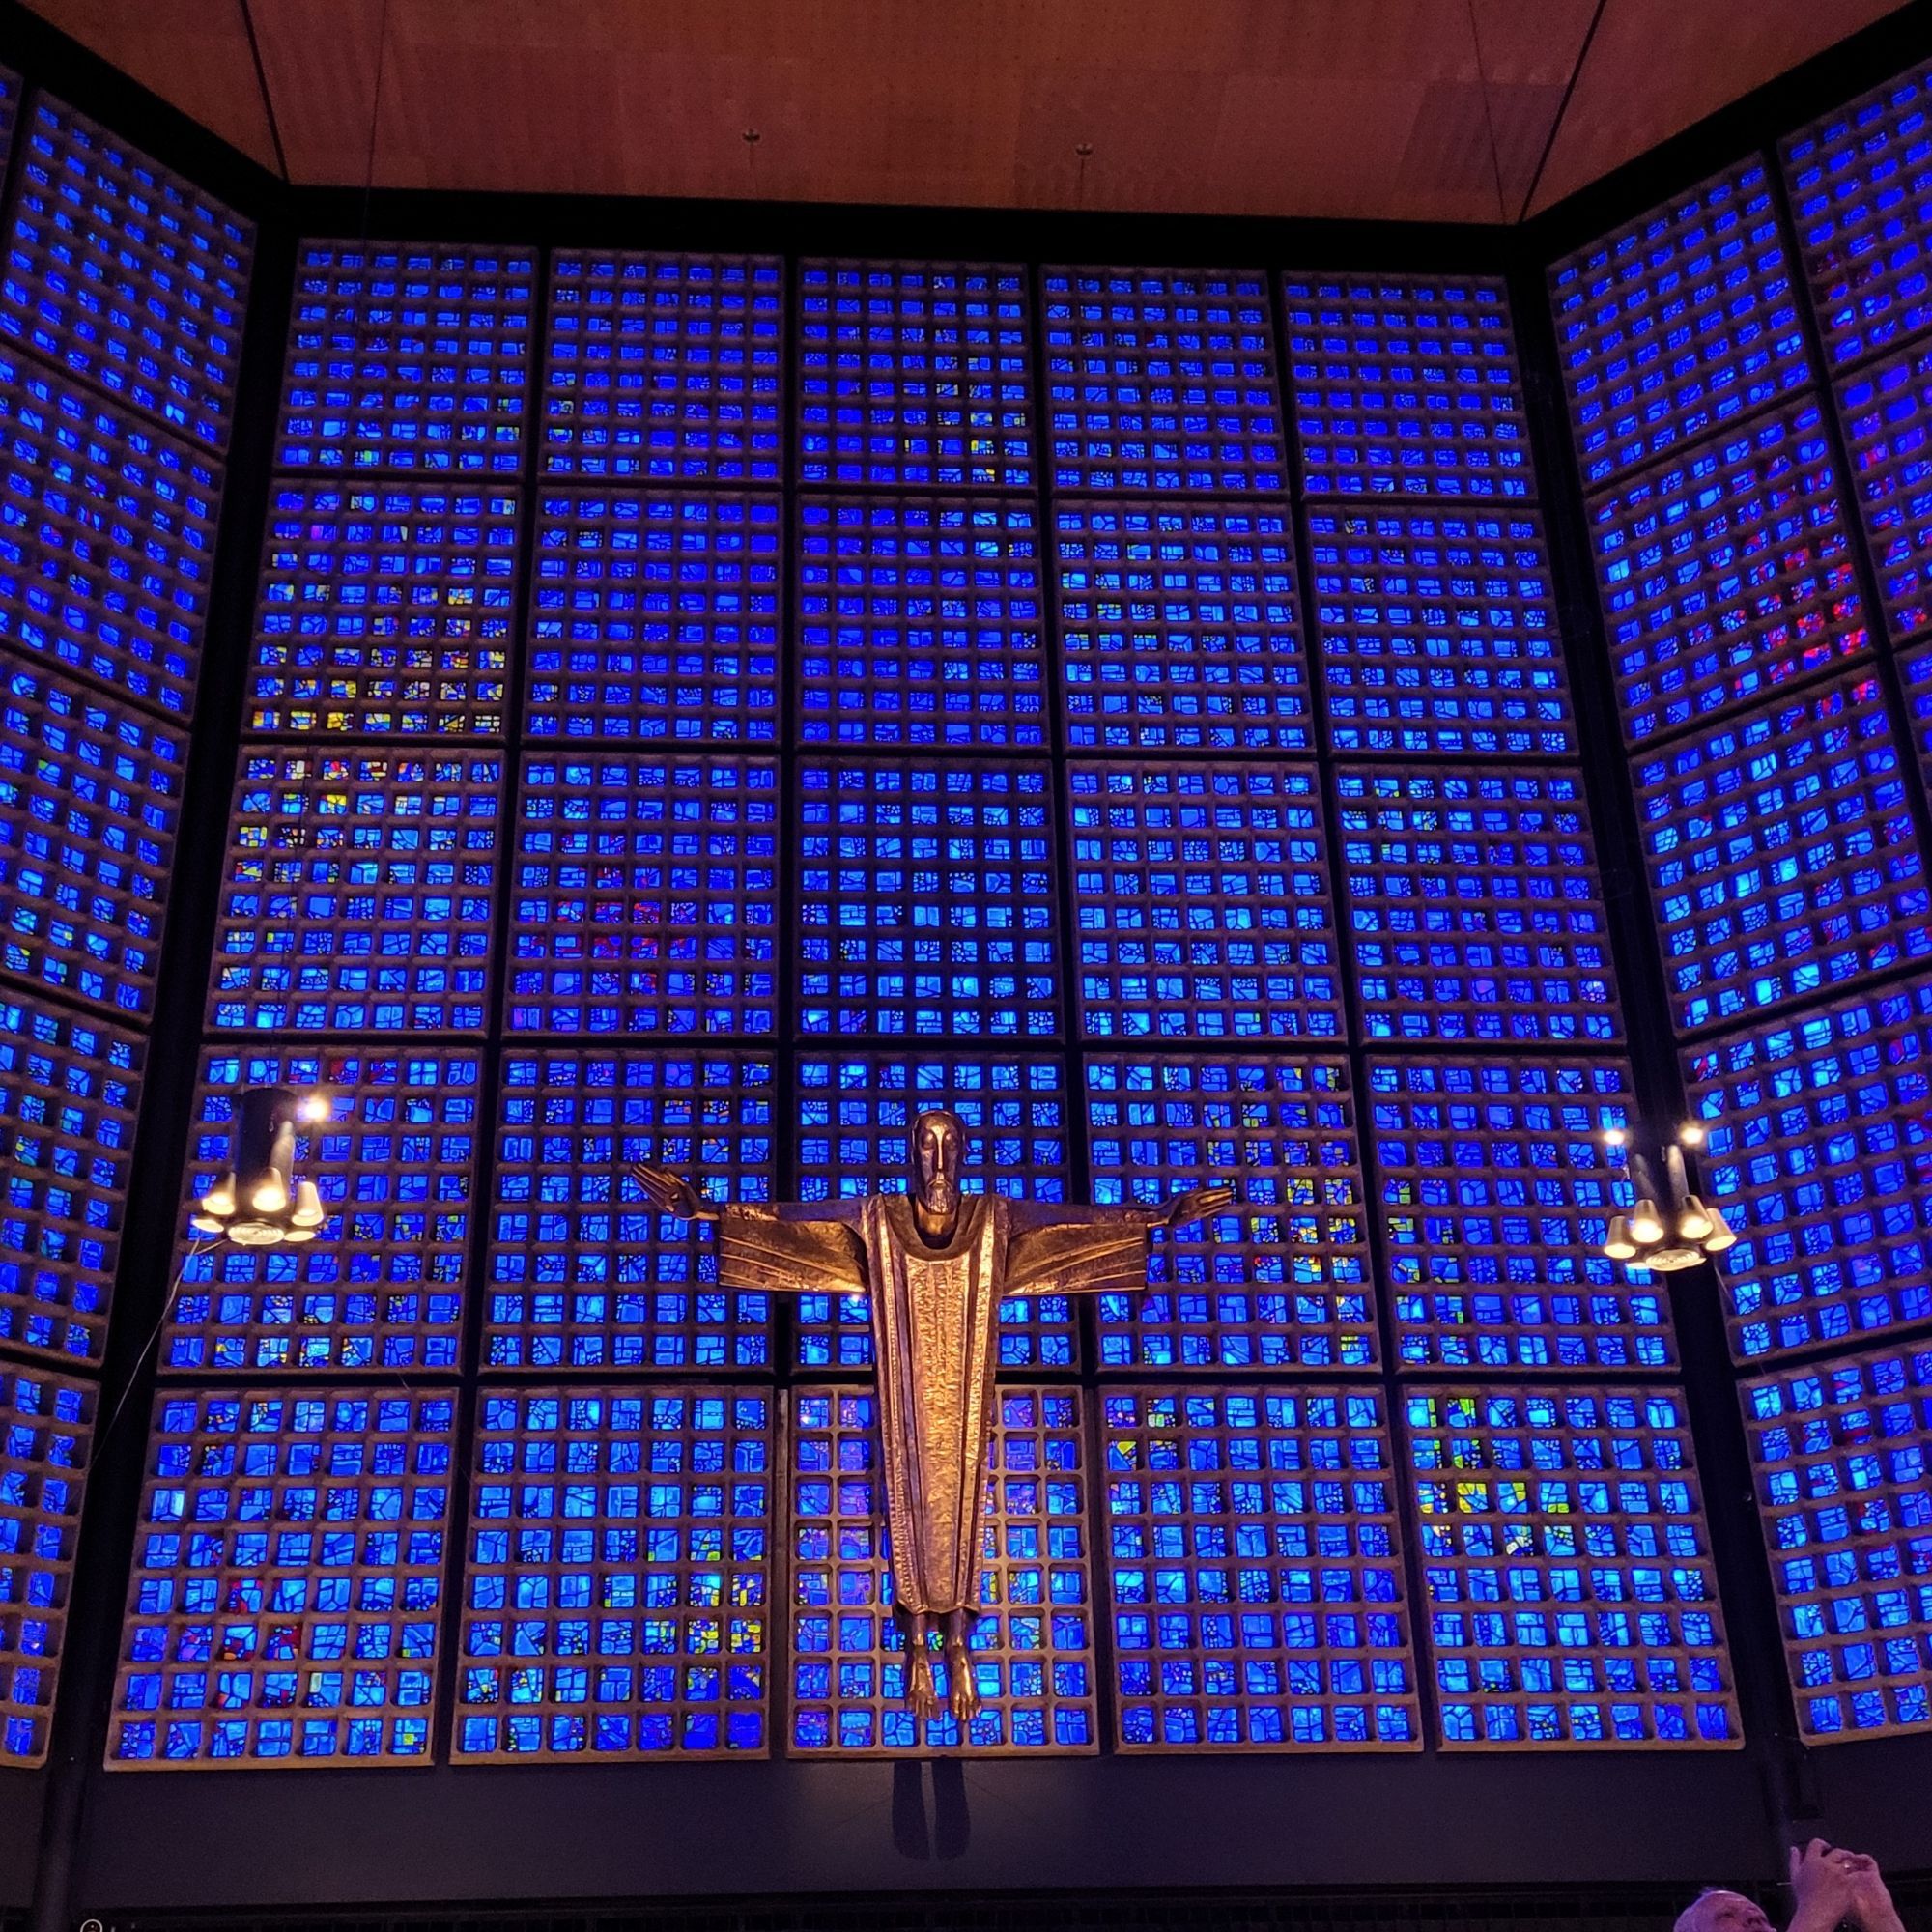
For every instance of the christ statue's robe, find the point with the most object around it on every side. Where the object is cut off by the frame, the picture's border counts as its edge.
(935, 1334)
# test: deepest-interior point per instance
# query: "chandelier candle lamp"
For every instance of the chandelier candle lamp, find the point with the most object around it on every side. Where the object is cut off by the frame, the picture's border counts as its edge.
(258, 1203)
(1668, 1227)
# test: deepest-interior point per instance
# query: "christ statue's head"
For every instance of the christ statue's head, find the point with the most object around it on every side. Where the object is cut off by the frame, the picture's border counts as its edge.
(938, 1146)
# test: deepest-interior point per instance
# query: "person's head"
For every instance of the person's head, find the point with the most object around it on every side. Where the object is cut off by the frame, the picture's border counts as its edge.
(938, 1146)
(1718, 1911)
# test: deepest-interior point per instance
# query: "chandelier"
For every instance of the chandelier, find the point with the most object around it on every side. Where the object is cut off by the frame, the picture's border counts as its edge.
(258, 1203)
(1668, 1227)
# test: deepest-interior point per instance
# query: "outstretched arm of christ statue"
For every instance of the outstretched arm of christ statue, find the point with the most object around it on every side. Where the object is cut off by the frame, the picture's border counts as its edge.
(1096, 1250)
(790, 1250)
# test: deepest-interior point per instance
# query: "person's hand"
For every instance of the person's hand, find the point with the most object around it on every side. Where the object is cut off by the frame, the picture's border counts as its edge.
(671, 1193)
(1871, 1902)
(1197, 1202)
(1823, 1878)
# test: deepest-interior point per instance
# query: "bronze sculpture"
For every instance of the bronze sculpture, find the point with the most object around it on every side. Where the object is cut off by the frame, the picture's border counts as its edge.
(937, 1263)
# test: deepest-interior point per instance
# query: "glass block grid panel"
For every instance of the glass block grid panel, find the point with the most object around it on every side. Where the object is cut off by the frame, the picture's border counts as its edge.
(46, 1428)
(664, 368)
(1178, 628)
(1279, 1279)
(1566, 1563)
(1726, 573)
(617, 1600)
(1496, 1189)
(1032, 1648)
(386, 611)
(1782, 855)
(10, 108)
(855, 1117)
(646, 896)
(68, 1092)
(1672, 325)
(1841, 1453)
(288, 1577)
(381, 1287)
(914, 374)
(583, 1273)
(1438, 634)
(922, 621)
(926, 900)
(1201, 901)
(358, 892)
(106, 539)
(407, 358)
(1406, 388)
(1861, 183)
(1162, 380)
(126, 273)
(1819, 1154)
(1474, 905)
(1254, 1559)
(90, 796)
(1887, 413)
(655, 618)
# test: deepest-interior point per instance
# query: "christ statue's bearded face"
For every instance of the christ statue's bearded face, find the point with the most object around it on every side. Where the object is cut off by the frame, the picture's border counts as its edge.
(938, 1144)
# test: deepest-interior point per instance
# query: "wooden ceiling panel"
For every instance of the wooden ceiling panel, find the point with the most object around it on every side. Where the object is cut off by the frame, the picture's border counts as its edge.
(1655, 67)
(1412, 109)
(193, 53)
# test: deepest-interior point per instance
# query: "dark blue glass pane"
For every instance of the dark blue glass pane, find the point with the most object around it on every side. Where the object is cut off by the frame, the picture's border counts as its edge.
(386, 611)
(126, 273)
(1820, 1158)
(664, 368)
(1161, 380)
(584, 1274)
(407, 358)
(1438, 634)
(656, 618)
(922, 621)
(1178, 628)
(914, 373)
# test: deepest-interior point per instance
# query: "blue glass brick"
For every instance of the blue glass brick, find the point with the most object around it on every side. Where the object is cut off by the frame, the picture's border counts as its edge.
(1496, 1186)
(914, 374)
(1841, 1455)
(1887, 409)
(1782, 856)
(655, 618)
(386, 611)
(921, 623)
(582, 1273)
(1566, 1569)
(1178, 628)
(1405, 387)
(357, 895)
(287, 1580)
(106, 539)
(90, 800)
(616, 1598)
(1677, 322)
(126, 273)
(1819, 1154)
(664, 368)
(646, 895)
(1255, 1573)
(68, 1092)
(407, 358)
(1162, 380)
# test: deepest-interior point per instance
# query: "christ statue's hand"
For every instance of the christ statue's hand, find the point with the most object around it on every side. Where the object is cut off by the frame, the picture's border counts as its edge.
(1198, 1202)
(671, 1194)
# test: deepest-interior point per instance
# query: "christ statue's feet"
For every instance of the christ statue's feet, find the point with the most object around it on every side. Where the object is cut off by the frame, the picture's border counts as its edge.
(965, 1699)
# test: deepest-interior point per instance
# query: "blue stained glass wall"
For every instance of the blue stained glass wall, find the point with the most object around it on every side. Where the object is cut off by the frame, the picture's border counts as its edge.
(122, 300)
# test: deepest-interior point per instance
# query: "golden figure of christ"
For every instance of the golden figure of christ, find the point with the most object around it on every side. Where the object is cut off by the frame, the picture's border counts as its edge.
(936, 1264)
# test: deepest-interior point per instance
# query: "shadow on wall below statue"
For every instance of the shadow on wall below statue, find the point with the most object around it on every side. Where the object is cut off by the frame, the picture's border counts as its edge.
(951, 1829)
